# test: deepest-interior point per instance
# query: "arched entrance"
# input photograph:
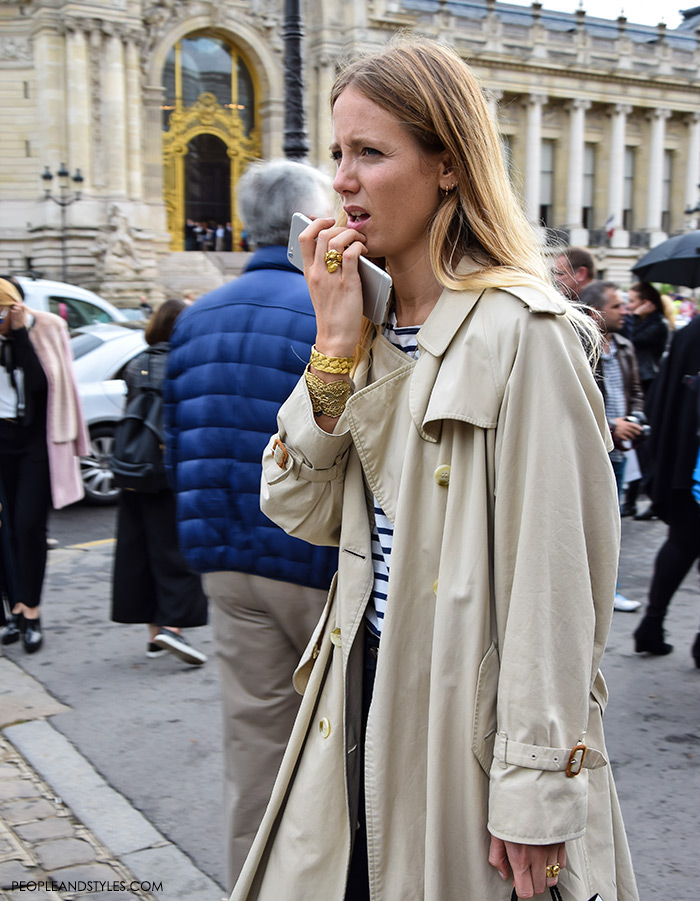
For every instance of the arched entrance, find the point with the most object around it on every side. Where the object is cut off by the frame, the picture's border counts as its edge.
(207, 180)
(210, 132)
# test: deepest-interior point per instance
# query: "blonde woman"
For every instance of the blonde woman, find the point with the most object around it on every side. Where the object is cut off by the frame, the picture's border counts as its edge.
(449, 742)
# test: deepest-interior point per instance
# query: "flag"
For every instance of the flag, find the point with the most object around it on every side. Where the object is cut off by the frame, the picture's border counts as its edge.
(610, 225)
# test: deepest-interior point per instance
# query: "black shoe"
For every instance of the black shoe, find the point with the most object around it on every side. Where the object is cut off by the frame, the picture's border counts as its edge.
(646, 515)
(13, 629)
(32, 637)
(152, 650)
(628, 510)
(179, 645)
(649, 638)
(695, 651)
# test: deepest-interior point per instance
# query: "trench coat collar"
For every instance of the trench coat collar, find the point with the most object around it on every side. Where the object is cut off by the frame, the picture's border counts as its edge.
(431, 401)
(453, 307)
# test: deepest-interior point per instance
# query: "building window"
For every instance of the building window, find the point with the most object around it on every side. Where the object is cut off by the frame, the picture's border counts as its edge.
(547, 183)
(200, 64)
(587, 215)
(628, 189)
(666, 192)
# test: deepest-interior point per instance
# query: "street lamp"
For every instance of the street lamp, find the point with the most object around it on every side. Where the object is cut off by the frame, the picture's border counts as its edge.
(296, 145)
(64, 199)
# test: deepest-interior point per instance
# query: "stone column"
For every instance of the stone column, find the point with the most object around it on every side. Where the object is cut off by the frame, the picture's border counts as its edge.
(533, 158)
(655, 175)
(114, 111)
(578, 235)
(78, 106)
(153, 96)
(692, 170)
(616, 173)
(49, 54)
(133, 122)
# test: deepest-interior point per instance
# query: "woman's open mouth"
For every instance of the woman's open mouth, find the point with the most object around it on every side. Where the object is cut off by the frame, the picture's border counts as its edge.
(357, 219)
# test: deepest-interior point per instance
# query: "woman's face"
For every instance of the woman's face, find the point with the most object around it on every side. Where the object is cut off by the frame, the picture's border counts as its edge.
(633, 301)
(390, 187)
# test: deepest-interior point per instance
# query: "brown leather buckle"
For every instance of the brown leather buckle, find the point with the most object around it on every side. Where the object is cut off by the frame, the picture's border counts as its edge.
(285, 453)
(570, 771)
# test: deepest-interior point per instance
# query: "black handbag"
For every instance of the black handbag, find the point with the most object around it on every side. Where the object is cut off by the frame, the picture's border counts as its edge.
(556, 895)
(554, 891)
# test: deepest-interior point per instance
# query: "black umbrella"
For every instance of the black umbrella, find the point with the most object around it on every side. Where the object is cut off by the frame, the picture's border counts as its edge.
(676, 261)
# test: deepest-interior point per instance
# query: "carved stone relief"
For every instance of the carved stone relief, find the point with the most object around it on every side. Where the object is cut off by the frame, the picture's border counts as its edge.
(15, 49)
(97, 131)
(115, 249)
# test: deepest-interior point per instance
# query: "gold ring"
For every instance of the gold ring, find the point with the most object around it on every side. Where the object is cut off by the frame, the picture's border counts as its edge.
(334, 260)
(553, 870)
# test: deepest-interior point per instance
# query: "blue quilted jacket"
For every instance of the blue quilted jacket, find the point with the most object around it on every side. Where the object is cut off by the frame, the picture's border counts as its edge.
(235, 356)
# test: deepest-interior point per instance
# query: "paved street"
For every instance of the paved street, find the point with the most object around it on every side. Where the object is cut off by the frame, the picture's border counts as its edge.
(128, 749)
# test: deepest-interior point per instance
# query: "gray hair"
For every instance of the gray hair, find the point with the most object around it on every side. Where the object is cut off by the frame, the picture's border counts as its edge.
(596, 294)
(270, 192)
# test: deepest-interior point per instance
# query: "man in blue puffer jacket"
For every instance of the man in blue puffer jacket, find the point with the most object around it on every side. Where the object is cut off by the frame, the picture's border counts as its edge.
(235, 356)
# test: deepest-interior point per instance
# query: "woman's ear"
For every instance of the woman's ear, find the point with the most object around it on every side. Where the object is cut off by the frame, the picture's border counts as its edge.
(447, 169)
(448, 176)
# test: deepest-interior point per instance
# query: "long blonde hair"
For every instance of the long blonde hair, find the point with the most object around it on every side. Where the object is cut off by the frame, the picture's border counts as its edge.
(433, 93)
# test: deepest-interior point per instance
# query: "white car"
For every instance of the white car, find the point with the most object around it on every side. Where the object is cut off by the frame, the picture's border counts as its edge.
(77, 306)
(101, 353)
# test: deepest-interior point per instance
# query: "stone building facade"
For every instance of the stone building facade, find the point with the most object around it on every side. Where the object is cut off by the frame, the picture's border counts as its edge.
(160, 105)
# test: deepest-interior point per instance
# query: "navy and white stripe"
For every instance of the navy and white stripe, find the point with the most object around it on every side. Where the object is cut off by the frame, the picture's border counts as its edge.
(615, 397)
(383, 531)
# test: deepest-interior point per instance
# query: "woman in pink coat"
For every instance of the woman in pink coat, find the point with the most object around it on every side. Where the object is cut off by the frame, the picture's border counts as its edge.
(41, 435)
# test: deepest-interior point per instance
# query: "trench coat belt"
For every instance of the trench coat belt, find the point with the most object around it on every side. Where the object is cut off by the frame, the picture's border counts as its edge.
(537, 757)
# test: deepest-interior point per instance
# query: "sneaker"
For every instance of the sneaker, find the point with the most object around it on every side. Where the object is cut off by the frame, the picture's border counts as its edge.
(52, 543)
(153, 650)
(179, 645)
(625, 604)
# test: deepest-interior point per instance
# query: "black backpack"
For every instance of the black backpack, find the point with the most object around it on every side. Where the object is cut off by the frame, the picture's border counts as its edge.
(137, 452)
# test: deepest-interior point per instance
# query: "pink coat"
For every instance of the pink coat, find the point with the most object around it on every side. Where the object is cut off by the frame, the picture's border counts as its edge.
(66, 434)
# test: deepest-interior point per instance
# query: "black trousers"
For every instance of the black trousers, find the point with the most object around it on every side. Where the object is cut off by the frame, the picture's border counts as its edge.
(357, 888)
(8, 580)
(151, 581)
(27, 487)
(676, 556)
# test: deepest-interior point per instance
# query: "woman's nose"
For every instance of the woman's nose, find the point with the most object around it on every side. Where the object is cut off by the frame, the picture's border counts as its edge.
(344, 181)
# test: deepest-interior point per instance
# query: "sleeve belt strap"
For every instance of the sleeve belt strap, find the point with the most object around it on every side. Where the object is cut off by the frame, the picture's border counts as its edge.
(517, 753)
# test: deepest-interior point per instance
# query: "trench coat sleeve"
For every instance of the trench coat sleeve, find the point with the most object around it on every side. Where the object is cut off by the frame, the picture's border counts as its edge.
(556, 542)
(304, 472)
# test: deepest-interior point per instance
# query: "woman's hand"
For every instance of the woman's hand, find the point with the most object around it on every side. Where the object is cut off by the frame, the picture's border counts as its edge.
(18, 316)
(336, 296)
(527, 864)
(646, 308)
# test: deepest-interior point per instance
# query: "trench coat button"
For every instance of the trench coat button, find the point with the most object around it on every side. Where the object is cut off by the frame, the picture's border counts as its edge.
(336, 639)
(442, 475)
(324, 727)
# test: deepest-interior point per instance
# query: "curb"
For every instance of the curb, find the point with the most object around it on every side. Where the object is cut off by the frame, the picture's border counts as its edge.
(103, 813)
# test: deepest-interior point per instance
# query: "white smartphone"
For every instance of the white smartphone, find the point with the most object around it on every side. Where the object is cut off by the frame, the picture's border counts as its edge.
(376, 283)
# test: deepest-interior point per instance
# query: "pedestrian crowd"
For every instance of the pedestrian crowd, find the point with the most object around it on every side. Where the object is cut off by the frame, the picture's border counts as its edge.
(432, 536)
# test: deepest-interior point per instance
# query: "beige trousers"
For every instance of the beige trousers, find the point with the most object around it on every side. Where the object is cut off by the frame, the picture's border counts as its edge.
(261, 627)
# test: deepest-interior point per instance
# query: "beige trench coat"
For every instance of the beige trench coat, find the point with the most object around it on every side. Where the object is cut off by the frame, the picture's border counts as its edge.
(489, 454)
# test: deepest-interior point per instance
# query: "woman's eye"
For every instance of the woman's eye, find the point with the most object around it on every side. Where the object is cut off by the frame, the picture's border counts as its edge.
(371, 151)
(336, 156)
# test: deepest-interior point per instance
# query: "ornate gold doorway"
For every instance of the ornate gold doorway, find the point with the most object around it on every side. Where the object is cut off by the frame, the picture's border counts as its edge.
(210, 113)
